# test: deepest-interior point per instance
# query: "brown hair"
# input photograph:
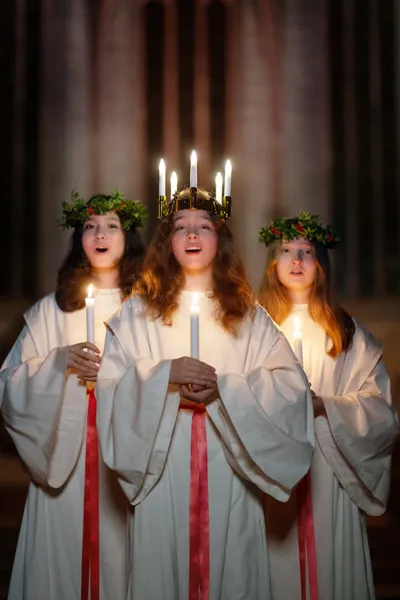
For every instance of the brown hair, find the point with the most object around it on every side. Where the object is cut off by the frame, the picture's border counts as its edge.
(162, 279)
(74, 274)
(337, 323)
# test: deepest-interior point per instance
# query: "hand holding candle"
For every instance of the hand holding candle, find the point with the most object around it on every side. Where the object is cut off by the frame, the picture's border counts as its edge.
(298, 340)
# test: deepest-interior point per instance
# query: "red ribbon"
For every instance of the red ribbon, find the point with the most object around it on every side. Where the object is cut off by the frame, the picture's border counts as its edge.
(90, 540)
(307, 549)
(199, 524)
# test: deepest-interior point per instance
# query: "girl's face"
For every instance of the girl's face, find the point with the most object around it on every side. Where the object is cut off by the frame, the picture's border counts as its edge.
(194, 240)
(103, 240)
(296, 265)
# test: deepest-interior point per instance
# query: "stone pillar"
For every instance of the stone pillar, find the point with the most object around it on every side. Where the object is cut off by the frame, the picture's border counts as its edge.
(202, 94)
(248, 134)
(119, 97)
(64, 126)
(306, 108)
(17, 210)
(171, 129)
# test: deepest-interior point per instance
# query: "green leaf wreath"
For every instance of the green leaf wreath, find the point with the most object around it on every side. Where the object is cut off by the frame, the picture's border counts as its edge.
(78, 210)
(304, 225)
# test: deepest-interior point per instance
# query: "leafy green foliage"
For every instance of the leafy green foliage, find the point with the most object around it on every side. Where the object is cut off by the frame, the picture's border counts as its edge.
(130, 212)
(305, 225)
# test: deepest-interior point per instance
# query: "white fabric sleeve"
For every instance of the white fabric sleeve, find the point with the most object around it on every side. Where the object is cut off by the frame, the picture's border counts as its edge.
(357, 439)
(137, 411)
(265, 417)
(43, 409)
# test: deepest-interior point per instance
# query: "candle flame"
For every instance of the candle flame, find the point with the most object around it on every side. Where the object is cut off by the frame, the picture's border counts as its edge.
(161, 166)
(195, 299)
(193, 158)
(90, 291)
(228, 167)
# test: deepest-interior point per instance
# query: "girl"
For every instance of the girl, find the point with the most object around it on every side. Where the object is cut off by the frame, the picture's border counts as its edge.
(196, 442)
(44, 405)
(355, 424)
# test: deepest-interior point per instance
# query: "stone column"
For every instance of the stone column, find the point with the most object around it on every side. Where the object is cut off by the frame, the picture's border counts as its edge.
(248, 134)
(171, 129)
(306, 108)
(119, 96)
(202, 94)
(64, 126)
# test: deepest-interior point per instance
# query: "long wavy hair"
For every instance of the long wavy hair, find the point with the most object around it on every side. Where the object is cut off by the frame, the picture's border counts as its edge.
(162, 278)
(337, 323)
(75, 273)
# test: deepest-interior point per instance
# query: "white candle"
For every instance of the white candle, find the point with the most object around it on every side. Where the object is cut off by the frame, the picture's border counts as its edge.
(194, 327)
(228, 178)
(218, 188)
(298, 340)
(174, 183)
(161, 181)
(193, 169)
(89, 301)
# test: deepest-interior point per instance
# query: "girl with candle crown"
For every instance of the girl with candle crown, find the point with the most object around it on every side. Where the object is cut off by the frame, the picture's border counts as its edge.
(318, 541)
(196, 443)
(44, 405)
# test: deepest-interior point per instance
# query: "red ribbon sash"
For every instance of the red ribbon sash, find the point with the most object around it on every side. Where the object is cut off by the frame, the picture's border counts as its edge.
(307, 550)
(199, 525)
(90, 540)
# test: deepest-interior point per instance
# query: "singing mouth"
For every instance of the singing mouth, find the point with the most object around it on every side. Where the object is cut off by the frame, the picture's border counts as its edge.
(101, 249)
(296, 272)
(193, 250)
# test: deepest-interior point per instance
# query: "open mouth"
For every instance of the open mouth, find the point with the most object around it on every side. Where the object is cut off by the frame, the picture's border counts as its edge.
(193, 250)
(101, 249)
(296, 273)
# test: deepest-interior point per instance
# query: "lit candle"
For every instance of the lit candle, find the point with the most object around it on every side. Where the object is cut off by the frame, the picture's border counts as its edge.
(298, 340)
(194, 327)
(161, 181)
(89, 301)
(218, 188)
(228, 178)
(174, 183)
(193, 169)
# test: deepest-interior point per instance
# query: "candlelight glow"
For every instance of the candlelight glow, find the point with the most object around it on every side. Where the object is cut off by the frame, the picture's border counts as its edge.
(195, 299)
(90, 291)
(218, 188)
(297, 327)
(174, 183)
(193, 159)
(228, 178)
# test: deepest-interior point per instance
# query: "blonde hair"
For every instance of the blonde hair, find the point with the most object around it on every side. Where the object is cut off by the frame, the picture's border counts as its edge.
(337, 323)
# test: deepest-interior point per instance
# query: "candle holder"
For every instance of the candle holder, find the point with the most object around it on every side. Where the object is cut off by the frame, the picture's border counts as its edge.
(226, 207)
(162, 203)
(193, 198)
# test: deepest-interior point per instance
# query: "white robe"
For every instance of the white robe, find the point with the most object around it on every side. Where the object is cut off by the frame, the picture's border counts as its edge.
(350, 472)
(259, 434)
(44, 410)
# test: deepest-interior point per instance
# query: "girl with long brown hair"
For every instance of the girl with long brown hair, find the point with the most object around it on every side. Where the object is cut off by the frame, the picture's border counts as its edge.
(318, 541)
(196, 440)
(45, 410)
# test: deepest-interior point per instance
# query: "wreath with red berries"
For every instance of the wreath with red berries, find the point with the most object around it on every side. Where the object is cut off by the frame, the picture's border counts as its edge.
(304, 225)
(76, 212)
